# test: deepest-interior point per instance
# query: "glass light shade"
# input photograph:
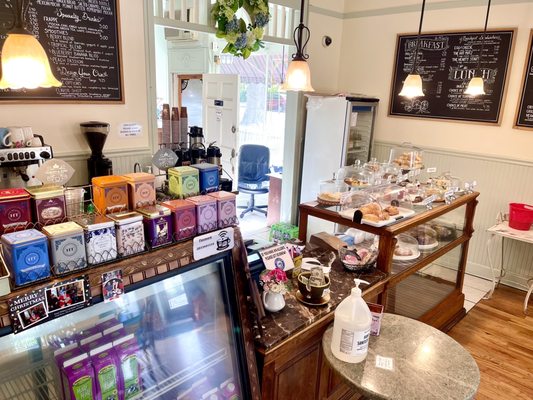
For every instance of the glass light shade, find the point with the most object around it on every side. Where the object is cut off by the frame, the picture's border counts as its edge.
(25, 64)
(475, 87)
(412, 86)
(298, 77)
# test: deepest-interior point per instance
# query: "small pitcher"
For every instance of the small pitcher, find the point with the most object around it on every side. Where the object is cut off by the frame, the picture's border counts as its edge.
(273, 301)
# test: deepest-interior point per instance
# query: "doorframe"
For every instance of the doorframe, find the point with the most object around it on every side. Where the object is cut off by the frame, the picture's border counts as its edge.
(177, 86)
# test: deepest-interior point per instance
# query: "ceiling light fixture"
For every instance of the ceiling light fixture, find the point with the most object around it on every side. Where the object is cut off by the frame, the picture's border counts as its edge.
(412, 86)
(24, 61)
(298, 74)
(475, 86)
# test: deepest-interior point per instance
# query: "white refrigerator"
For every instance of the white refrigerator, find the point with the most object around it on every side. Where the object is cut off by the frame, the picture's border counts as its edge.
(339, 131)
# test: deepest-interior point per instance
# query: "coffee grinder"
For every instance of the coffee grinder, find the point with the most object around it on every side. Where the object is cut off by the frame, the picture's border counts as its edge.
(96, 134)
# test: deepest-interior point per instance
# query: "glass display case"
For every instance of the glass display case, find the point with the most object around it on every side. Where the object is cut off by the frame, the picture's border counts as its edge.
(425, 240)
(185, 336)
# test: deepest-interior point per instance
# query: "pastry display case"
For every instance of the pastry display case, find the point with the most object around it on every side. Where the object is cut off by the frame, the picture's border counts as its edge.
(419, 248)
(407, 157)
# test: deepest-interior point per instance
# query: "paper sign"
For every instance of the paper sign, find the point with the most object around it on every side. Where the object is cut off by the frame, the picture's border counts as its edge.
(431, 170)
(277, 257)
(130, 129)
(385, 363)
(54, 171)
(61, 298)
(112, 285)
(213, 243)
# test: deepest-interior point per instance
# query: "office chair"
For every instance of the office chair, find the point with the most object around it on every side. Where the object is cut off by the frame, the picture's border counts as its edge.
(254, 163)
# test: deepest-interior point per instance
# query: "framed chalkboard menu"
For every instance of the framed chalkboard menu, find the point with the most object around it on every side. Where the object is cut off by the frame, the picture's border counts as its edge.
(524, 112)
(446, 62)
(82, 40)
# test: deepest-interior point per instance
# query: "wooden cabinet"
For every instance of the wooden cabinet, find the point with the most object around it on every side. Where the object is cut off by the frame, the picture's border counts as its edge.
(428, 288)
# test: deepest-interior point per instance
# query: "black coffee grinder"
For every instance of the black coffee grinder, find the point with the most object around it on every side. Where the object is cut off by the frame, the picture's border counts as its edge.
(96, 134)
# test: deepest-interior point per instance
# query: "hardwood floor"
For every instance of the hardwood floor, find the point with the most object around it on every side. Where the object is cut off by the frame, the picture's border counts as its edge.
(500, 338)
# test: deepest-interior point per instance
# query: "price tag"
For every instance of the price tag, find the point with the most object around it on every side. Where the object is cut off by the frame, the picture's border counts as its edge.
(431, 170)
(449, 193)
(429, 200)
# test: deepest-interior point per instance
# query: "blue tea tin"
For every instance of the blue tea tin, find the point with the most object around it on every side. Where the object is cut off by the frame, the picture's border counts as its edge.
(208, 177)
(26, 256)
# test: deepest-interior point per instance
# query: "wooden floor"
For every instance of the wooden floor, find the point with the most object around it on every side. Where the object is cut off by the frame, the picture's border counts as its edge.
(500, 338)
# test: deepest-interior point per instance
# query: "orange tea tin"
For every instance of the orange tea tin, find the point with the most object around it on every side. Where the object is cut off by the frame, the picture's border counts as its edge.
(110, 194)
(141, 189)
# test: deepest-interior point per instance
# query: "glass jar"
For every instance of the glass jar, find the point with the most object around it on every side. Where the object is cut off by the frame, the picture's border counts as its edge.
(407, 157)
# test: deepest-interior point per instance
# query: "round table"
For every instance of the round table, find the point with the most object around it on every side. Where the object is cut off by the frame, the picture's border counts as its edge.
(409, 360)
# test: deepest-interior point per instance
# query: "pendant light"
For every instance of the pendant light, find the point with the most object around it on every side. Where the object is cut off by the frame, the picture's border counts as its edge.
(475, 86)
(24, 61)
(412, 86)
(298, 74)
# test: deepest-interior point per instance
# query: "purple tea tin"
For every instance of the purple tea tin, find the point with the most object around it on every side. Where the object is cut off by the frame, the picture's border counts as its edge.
(157, 225)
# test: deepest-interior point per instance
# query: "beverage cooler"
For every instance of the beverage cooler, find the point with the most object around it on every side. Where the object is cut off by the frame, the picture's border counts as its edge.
(173, 336)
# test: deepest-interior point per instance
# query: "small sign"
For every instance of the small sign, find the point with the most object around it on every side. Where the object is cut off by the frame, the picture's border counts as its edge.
(130, 129)
(219, 103)
(213, 243)
(428, 200)
(53, 301)
(384, 363)
(164, 159)
(431, 170)
(55, 171)
(112, 285)
(277, 257)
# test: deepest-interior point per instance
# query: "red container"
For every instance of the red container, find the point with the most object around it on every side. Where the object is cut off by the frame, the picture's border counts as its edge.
(14, 210)
(520, 216)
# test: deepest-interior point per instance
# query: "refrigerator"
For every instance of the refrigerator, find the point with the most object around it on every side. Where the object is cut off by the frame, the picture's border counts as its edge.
(186, 340)
(338, 131)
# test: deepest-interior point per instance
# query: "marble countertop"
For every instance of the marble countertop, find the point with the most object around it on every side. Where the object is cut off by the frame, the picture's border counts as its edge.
(426, 364)
(275, 327)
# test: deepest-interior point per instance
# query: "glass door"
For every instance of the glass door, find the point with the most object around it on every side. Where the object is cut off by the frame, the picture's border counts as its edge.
(360, 134)
(174, 339)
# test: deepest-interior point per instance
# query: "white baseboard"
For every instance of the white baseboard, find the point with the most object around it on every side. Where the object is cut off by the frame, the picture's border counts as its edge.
(510, 279)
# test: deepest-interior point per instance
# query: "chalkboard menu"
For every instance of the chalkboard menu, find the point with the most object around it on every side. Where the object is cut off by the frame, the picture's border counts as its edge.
(446, 62)
(82, 40)
(524, 113)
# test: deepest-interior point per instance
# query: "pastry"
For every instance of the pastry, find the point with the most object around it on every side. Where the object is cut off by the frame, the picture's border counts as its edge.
(392, 210)
(403, 252)
(371, 217)
(330, 196)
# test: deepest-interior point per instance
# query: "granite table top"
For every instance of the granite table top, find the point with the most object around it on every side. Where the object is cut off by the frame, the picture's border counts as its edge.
(275, 327)
(409, 360)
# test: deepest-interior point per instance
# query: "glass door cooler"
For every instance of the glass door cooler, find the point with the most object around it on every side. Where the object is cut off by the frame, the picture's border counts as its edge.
(174, 336)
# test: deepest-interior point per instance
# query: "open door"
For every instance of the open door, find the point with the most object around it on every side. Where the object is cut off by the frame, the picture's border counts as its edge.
(221, 117)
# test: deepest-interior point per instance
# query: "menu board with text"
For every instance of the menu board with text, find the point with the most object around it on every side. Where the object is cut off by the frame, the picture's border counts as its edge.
(447, 62)
(524, 113)
(82, 40)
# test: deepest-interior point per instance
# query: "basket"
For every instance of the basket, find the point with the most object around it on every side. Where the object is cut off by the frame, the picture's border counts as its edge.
(520, 216)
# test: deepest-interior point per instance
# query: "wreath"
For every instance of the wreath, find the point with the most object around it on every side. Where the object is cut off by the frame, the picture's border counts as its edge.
(242, 39)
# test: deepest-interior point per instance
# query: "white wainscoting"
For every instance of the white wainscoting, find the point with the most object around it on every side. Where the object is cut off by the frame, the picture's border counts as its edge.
(500, 182)
(123, 163)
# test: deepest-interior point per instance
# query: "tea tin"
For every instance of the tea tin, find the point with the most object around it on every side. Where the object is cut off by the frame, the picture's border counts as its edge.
(209, 175)
(26, 256)
(226, 208)
(206, 213)
(130, 232)
(15, 211)
(100, 238)
(110, 194)
(184, 218)
(157, 225)
(48, 204)
(67, 247)
(141, 189)
(183, 182)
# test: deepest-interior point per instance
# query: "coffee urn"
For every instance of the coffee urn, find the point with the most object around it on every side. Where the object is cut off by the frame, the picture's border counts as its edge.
(214, 156)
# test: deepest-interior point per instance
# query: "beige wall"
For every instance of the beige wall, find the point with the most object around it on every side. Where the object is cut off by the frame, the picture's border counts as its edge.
(367, 51)
(59, 123)
(325, 61)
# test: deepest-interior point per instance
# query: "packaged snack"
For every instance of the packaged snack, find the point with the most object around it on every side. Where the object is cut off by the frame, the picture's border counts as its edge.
(106, 372)
(78, 377)
(127, 351)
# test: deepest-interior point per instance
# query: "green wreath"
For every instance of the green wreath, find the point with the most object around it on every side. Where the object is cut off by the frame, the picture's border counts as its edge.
(241, 39)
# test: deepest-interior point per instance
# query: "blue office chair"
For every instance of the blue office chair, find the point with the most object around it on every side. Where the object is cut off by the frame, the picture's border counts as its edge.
(254, 163)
